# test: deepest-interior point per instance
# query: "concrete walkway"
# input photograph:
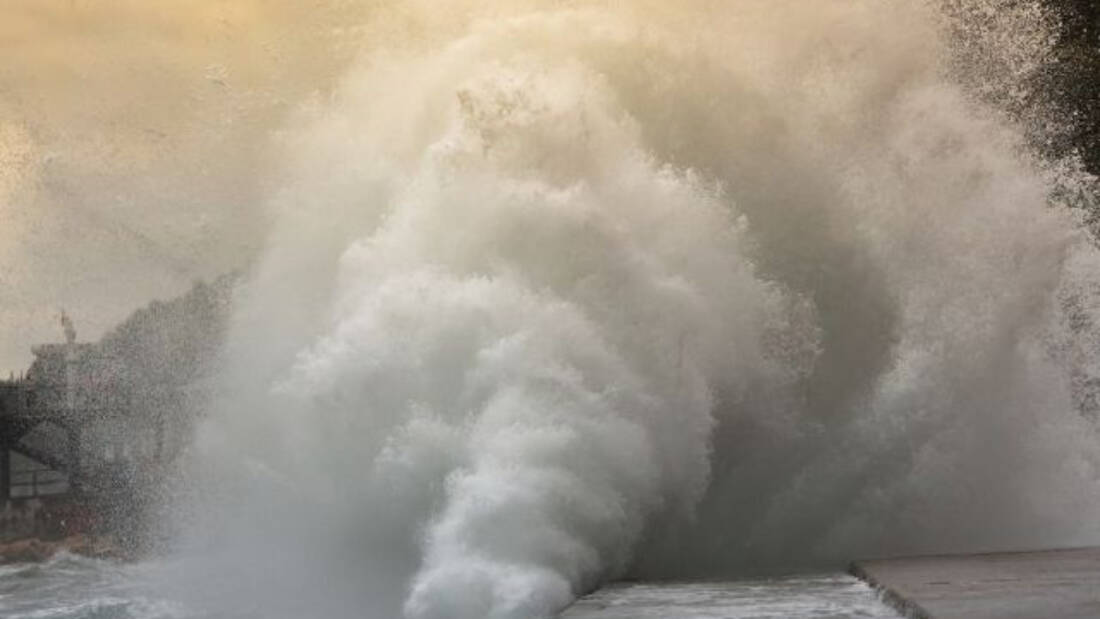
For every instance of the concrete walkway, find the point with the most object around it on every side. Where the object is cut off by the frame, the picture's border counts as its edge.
(1050, 584)
(808, 596)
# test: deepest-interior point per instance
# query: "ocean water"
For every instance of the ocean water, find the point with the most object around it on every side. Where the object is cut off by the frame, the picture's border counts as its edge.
(558, 294)
(73, 587)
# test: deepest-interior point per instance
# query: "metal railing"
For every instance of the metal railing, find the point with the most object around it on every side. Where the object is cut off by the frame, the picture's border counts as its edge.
(34, 398)
(32, 483)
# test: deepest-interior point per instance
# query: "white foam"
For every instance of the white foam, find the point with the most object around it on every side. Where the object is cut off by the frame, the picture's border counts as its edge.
(555, 293)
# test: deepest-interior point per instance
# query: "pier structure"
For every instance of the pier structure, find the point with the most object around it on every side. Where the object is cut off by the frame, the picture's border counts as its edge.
(73, 424)
(1046, 584)
(1040, 584)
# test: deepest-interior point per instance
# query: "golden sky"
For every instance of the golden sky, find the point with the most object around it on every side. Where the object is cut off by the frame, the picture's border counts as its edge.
(134, 140)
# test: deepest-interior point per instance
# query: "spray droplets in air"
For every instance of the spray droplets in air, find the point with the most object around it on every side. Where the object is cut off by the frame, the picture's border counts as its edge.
(555, 295)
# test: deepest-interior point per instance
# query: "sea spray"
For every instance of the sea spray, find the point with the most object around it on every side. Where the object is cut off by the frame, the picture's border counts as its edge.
(558, 294)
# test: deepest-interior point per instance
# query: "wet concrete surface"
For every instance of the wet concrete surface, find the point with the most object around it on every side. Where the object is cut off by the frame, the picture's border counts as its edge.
(1048, 584)
(806, 596)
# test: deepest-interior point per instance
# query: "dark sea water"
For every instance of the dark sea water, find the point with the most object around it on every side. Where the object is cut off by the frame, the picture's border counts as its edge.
(73, 587)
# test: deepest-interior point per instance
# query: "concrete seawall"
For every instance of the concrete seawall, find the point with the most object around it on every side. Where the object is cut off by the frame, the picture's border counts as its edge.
(789, 597)
(1049, 584)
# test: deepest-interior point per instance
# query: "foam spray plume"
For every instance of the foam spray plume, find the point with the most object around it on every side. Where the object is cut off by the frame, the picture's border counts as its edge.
(562, 293)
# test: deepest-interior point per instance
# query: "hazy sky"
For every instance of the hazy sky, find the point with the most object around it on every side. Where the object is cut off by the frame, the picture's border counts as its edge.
(135, 140)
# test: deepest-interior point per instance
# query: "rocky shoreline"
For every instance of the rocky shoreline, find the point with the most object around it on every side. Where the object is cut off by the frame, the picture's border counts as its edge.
(34, 550)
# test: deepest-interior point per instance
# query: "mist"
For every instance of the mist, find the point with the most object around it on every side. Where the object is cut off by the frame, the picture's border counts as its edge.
(556, 295)
(135, 146)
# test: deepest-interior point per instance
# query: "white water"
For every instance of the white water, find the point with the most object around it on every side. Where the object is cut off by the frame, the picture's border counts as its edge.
(559, 292)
